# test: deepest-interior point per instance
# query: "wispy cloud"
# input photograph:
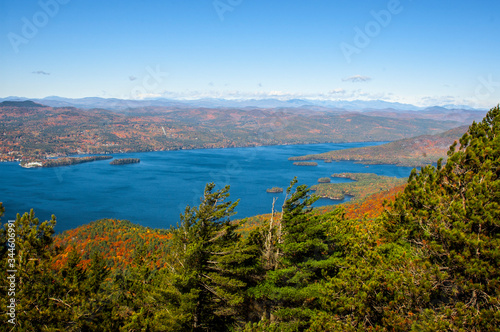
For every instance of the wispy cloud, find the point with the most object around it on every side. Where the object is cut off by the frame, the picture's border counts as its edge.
(357, 79)
(40, 72)
(132, 78)
(337, 92)
(427, 101)
(147, 96)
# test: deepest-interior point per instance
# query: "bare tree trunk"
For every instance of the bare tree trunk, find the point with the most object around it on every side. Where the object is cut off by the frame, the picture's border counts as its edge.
(268, 245)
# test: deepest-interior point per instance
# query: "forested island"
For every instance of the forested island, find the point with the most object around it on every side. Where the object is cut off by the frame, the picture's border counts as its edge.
(125, 161)
(275, 190)
(426, 260)
(66, 161)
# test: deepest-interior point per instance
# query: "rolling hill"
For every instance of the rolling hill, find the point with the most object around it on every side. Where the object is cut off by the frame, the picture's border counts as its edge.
(413, 152)
(39, 132)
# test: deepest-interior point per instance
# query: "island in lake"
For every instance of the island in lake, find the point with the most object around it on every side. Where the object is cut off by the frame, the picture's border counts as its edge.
(305, 163)
(362, 185)
(66, 161)
(275, 190)
(125, 161)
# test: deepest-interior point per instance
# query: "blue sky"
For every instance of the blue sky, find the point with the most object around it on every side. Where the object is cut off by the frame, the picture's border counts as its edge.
(416, 51)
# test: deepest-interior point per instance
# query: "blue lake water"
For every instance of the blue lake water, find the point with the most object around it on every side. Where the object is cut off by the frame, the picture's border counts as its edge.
(156, 191)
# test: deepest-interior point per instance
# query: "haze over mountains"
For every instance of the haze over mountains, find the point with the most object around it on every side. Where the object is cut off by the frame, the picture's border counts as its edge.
(315, 104)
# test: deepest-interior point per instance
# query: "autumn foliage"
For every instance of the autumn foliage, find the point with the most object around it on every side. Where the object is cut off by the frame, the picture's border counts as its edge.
(115, 240)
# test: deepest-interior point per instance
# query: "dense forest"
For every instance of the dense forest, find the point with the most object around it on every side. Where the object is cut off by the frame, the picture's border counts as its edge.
(426, 261)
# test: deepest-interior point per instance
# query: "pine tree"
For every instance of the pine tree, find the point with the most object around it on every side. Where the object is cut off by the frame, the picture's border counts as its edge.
(377, 286)
(72, 273)
(207, 266)
(451, 216)
(292, 286)
(84, 295)
(36, 287)
(142, 301)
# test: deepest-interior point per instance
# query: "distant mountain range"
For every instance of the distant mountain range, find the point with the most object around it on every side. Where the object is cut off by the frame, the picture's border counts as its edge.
(313, 104)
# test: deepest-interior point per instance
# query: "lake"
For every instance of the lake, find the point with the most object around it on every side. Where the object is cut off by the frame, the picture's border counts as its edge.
(156, 191)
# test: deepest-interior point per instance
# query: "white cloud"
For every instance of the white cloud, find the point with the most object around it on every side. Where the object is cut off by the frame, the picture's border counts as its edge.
(338, 91)
(40, 72)
(335, 94)
(427, 101)
(357, 79)
(147, 95)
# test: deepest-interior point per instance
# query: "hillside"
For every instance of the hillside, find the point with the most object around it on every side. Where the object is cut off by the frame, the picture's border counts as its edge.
(25, 104)
(118, 242)
(413, 152)
(426, 261)
(39, 132)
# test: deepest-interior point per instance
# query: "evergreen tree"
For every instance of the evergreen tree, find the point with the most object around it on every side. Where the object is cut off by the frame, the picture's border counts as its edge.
(139, 297)
(289, 294)
(451, 216)
(36, 285)
(207, 265)
(72, 273)
(82, 293)
(378, 285)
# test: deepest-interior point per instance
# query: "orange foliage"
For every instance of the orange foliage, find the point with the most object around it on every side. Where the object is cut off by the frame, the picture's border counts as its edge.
(117, 243)
(371, 207)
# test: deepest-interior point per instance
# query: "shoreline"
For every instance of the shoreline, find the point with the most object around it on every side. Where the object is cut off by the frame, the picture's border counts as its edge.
(81, 155)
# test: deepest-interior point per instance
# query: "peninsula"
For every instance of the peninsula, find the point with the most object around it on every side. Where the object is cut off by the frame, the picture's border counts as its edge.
(412, 152)
(66, 161)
